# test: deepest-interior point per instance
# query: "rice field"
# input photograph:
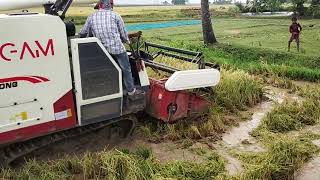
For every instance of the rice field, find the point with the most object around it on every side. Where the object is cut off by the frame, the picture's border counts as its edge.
(253, 56)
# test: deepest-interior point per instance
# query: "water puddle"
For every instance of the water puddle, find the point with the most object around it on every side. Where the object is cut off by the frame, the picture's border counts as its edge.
(238, 135)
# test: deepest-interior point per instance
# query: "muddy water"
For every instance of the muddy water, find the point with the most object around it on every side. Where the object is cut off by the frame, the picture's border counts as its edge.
(239, 138)
(235, 138)
(237, 135)
(311, 170)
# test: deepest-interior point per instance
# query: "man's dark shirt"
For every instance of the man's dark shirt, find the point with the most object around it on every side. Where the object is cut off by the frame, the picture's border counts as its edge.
(295, 28)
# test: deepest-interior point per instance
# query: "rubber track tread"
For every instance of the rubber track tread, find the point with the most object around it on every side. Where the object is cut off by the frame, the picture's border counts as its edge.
(12, 152)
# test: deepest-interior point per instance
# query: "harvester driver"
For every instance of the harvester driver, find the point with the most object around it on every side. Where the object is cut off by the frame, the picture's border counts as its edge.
(109, 28)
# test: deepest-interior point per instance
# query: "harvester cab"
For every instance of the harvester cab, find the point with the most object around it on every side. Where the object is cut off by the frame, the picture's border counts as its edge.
(54, 85)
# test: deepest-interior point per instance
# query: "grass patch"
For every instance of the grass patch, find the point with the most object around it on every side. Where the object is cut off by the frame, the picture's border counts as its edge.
(117, 165)
(284, 156)
(255, 60)
(266, 62)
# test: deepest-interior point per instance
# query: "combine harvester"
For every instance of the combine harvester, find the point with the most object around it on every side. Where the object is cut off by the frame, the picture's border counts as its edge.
(54, 85)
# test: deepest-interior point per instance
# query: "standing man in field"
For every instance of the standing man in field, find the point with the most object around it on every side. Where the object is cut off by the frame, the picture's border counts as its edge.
(109, 28)
(295, 29)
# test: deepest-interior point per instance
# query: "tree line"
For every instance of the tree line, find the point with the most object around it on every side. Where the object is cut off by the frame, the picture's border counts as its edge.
(297, 6)
(255, 6)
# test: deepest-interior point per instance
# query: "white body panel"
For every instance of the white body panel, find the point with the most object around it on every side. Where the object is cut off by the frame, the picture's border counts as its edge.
(143, 75)
(144, 78)
(19, 4)
(191, 79)
(31, 103)
(77, 78)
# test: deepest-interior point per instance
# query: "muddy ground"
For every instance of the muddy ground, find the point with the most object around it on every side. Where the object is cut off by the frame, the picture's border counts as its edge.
(237, 138)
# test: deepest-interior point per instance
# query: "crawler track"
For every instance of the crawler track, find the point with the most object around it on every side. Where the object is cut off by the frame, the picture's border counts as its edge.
(123, 126)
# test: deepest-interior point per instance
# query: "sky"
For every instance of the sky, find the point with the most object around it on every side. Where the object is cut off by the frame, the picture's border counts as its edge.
(147, 1)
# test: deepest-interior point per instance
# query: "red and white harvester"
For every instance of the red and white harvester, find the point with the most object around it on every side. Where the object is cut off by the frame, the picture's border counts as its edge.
(55, 85)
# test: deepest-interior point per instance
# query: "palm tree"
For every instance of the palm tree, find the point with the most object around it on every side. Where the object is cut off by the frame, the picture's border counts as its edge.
(208, 34)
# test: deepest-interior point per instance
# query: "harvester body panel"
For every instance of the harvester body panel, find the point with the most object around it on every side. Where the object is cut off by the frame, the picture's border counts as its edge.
(35, 75)
(44, 92)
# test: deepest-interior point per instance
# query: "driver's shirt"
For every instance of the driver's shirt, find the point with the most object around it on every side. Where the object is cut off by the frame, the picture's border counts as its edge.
(109, 28)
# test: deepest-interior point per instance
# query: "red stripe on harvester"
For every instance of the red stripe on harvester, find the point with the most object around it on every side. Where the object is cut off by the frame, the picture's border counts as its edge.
(42, 78)
(29, 79)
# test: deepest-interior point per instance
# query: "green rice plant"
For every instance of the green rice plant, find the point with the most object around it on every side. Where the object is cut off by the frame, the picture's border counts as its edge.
(188, 130)
(118, 165)
(291, 116)
(308, 91)
(188, 170)
(186, 143)
(211, 126)
(115, 165)
(276, 81)
(143, 152)
(60, 169)
(217, 122)
(200, 151)
(237, 90)
(156, 74)
(282, 123)
(284, 156)
(90, 165)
